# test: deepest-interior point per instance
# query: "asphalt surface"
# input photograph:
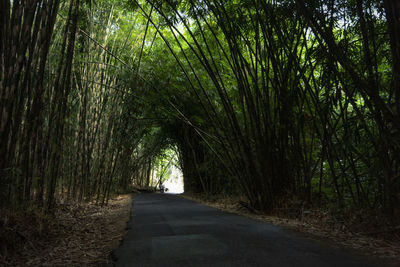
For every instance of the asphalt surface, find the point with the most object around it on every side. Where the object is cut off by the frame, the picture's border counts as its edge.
(168, 230)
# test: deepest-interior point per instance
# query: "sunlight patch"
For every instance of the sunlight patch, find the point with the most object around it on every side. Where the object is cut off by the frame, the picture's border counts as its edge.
(174, 183)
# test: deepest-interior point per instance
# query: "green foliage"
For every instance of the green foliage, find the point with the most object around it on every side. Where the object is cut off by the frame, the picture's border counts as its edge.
(267, 99)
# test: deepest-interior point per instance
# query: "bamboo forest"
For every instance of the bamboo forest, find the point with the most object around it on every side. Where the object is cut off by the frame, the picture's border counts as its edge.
(289, 105)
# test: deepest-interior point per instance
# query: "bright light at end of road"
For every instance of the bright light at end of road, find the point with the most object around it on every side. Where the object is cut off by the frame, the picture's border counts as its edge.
(175, 181)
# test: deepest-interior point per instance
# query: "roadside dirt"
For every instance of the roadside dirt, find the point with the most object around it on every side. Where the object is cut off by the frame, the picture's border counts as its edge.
(77, 235)
(380, 243)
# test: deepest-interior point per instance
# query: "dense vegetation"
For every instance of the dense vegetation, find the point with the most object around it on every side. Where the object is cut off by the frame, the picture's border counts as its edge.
(282, 102)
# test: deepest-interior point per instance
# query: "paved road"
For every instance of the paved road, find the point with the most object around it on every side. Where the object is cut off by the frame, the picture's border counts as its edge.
(168, 230)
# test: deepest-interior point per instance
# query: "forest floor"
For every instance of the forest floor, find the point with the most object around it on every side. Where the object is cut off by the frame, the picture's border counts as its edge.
(379, 241)
(80, 234)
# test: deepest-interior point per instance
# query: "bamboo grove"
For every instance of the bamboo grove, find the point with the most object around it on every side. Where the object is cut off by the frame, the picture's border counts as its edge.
(279, 101)
(61, 101)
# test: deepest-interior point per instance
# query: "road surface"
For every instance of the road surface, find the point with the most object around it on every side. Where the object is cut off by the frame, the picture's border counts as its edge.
(168, 230)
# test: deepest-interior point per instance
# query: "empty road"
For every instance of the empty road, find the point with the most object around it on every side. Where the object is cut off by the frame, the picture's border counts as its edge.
(168, 230)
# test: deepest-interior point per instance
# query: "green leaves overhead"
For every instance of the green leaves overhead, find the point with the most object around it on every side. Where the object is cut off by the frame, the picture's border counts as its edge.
(268, 99)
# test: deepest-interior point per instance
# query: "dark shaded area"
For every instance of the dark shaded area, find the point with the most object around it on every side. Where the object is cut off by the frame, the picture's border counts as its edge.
(167, 230)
